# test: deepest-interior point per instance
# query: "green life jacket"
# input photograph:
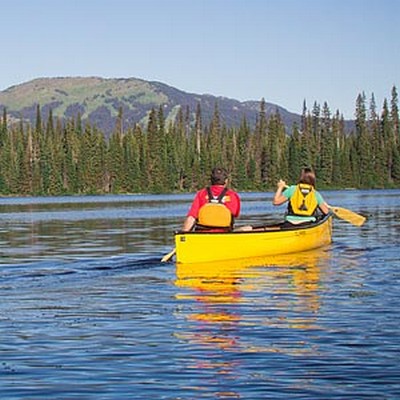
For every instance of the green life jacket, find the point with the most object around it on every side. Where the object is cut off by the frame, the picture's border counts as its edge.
(304, 201)
(215, 214)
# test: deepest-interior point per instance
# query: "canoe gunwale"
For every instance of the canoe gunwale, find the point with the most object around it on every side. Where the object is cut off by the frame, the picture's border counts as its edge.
(263, 229)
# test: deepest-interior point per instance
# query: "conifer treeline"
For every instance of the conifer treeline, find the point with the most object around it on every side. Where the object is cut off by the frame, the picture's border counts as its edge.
(54, 157)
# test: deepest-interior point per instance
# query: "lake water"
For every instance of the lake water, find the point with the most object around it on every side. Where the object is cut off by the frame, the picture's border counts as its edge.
(87, 310)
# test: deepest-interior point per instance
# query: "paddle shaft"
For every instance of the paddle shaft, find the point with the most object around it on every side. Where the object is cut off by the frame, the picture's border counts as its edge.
(168, 256)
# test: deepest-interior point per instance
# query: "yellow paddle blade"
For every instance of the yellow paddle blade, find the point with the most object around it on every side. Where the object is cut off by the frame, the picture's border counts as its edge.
(168, 256)
(349, 216)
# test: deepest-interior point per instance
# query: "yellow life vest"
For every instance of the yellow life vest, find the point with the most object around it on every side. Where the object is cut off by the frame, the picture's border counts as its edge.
(214, 214)
(304, 201)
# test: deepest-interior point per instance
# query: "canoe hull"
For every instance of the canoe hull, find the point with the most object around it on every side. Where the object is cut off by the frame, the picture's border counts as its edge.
(192, 247)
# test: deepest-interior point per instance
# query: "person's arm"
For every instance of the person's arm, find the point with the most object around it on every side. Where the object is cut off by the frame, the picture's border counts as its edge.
(279, 198)
(324, 207)
(191, 217)
(188, 223)
(322, 204)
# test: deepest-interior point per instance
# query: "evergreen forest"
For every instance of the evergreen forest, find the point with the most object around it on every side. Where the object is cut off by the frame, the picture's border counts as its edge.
(57, 157)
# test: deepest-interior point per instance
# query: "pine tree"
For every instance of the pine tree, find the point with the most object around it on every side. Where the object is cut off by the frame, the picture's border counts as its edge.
(92, 163)
(306, 140)
(57, 157)
(241, 171)
(258, 147)
(130, 162)
(213, 147)
(115, 158)
(70, 151)
(394, 115)
(9, 165)
(294, 155)
(325, 167)
(362, 145)
(395, 124)
(3, 127)
(156, 151)
(276, 149)
(198, 130)
(383, 148)
(141, 142)
(338, 143)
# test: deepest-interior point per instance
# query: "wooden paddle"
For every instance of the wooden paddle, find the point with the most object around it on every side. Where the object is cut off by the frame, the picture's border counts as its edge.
(168, 256)
(349, 216)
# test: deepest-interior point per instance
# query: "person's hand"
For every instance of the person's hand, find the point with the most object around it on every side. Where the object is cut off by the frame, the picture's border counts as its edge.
(282, 184)
(279, 198)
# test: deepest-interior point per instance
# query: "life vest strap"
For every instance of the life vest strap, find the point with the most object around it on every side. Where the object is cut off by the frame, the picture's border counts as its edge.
(219, 198)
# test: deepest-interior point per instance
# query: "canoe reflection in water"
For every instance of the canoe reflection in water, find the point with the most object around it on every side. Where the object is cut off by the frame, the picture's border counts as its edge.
(224, 301)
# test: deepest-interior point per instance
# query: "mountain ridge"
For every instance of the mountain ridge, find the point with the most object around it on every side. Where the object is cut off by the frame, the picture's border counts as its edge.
(98, 100)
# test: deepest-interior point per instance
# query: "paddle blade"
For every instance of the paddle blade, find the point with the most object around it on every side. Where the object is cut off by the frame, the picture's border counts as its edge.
(349, 216)
(168, 256)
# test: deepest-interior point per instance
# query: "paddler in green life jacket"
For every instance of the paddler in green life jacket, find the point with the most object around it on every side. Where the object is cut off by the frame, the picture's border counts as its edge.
(215, 207)
(305, 203)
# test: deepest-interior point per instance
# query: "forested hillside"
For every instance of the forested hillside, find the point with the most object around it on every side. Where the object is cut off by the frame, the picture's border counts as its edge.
(55, 156)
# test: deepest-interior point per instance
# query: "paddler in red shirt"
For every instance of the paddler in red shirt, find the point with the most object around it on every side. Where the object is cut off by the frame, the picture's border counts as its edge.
(215, 207)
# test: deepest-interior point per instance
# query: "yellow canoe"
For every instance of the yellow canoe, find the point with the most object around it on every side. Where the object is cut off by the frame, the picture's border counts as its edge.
(198, 247)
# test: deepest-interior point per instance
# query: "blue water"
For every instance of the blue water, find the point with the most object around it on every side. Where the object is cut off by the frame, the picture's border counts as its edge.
(87, 310)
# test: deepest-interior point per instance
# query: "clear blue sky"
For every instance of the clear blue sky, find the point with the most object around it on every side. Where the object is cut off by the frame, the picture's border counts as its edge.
(286, 51)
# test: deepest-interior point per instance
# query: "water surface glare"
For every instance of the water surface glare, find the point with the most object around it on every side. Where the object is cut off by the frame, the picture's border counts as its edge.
(88, 311)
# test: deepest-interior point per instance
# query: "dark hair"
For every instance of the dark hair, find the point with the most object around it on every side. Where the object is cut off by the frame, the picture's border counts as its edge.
(219, 176)
(307, 176)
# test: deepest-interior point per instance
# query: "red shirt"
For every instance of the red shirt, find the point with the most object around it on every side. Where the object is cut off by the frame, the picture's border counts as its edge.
(231, 200)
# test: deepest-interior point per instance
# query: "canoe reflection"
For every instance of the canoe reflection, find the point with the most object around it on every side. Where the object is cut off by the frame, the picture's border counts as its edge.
(226, 297)
(249, 308)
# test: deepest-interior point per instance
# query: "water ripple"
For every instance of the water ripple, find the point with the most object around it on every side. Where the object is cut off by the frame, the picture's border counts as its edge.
(89, 312)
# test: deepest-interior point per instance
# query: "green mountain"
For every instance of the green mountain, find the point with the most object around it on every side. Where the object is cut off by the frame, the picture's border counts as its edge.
(98, 100)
